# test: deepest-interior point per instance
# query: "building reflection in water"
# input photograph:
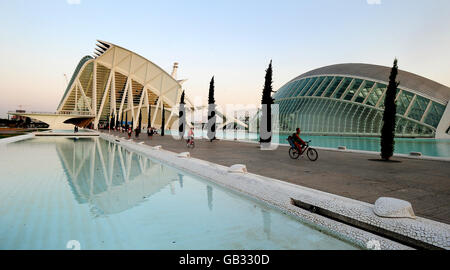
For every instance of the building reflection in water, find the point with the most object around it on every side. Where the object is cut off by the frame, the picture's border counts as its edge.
(110, 178)
(180, 179)
(209, 192)
(266, 222)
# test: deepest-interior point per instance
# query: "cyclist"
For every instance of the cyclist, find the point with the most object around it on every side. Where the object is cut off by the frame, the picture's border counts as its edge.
(297, 140)
(190, 135)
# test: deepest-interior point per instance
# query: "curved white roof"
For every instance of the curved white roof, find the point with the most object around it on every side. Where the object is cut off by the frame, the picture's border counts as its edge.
(381, 73)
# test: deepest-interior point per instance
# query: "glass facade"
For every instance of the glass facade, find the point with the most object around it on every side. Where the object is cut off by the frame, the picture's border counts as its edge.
(339, 105)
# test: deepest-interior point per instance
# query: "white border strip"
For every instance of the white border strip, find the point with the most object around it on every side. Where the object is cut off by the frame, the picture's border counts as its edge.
(16, 138)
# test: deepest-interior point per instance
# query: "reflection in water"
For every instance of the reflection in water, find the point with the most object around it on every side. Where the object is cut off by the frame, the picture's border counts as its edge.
(180, 179)
(209, 191)
(53, 190)
(108, 177)
(266, 222)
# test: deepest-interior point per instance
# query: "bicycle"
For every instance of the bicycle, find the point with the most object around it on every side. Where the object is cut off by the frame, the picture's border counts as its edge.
(190, 143)
(295, 153)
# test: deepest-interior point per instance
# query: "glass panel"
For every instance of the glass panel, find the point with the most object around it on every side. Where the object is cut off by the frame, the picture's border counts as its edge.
(324, 86)
(409, 129)
(310, 83)
(403, 102)
(281, 92)
(343, 87)
(330, 91)
(297, 105)
(364, 92)
(353, 89)
(376, 94)
(278, 93)
(293, 88)
(288, 90)
(418, 108)
(314, 88)
(381, 106)
(435, 114)
(300, 87)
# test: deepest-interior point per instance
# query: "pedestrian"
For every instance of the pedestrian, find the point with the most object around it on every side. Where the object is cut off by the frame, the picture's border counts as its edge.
(137, 131)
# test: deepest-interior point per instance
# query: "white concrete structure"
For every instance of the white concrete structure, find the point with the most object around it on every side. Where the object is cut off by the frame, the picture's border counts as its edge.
(120, 83)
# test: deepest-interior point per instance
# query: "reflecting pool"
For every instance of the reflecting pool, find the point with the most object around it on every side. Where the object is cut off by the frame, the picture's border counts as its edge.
(56, 189)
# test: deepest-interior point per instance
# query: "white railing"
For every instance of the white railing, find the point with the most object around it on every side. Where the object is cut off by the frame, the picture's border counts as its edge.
(60, 112)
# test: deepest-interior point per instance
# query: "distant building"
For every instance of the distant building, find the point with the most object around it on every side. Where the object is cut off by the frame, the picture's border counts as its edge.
(348, 99)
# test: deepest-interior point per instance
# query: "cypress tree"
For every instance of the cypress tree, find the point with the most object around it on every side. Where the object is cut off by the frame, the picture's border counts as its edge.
(163, 119)
(265, 125)
(390, 110)
(211, 112)
(182, 117)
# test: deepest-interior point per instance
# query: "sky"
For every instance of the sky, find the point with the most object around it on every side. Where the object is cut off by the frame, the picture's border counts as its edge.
(41, 40)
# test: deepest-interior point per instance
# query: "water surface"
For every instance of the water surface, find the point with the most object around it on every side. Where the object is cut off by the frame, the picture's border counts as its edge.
(56, 189)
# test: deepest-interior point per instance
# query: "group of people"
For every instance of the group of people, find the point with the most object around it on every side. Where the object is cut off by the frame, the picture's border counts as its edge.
(150, 131)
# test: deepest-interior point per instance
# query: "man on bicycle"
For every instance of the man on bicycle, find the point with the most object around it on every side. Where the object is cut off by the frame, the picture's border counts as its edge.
(297, 140)
(190, 135)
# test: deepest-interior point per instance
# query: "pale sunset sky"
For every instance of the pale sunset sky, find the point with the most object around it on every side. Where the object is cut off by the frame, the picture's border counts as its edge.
(233, 40)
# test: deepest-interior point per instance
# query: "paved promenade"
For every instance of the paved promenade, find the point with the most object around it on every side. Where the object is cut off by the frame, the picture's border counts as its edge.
(424, 183)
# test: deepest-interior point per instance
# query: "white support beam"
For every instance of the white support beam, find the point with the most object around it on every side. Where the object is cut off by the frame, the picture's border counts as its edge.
(425, 113)
(350, 86)
(94, 89)
(76, 98)
(363, 83)
(124, 94)
(156, 112)
(338, 87)
(80, 87)
(328, 87)
(131, 106)
(413, 100)
(140, 102)
(147, 102)
(105, 95)
(370, 92)
(113, 96)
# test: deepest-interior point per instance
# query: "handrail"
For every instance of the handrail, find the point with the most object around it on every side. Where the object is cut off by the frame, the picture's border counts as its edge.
(60, 112)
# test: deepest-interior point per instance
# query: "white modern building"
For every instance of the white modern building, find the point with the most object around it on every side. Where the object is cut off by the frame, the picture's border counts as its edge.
(348, 100)
(116, 83)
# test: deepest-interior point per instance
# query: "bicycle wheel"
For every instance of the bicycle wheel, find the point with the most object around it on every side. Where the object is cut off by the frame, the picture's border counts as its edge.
(293, 153)
(312, 154)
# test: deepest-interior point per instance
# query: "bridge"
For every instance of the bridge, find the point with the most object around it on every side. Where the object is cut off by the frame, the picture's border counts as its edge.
(60, 119)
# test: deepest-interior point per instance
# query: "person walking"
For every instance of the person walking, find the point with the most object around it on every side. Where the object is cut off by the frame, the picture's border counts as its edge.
(129, 132)
(150, 132)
